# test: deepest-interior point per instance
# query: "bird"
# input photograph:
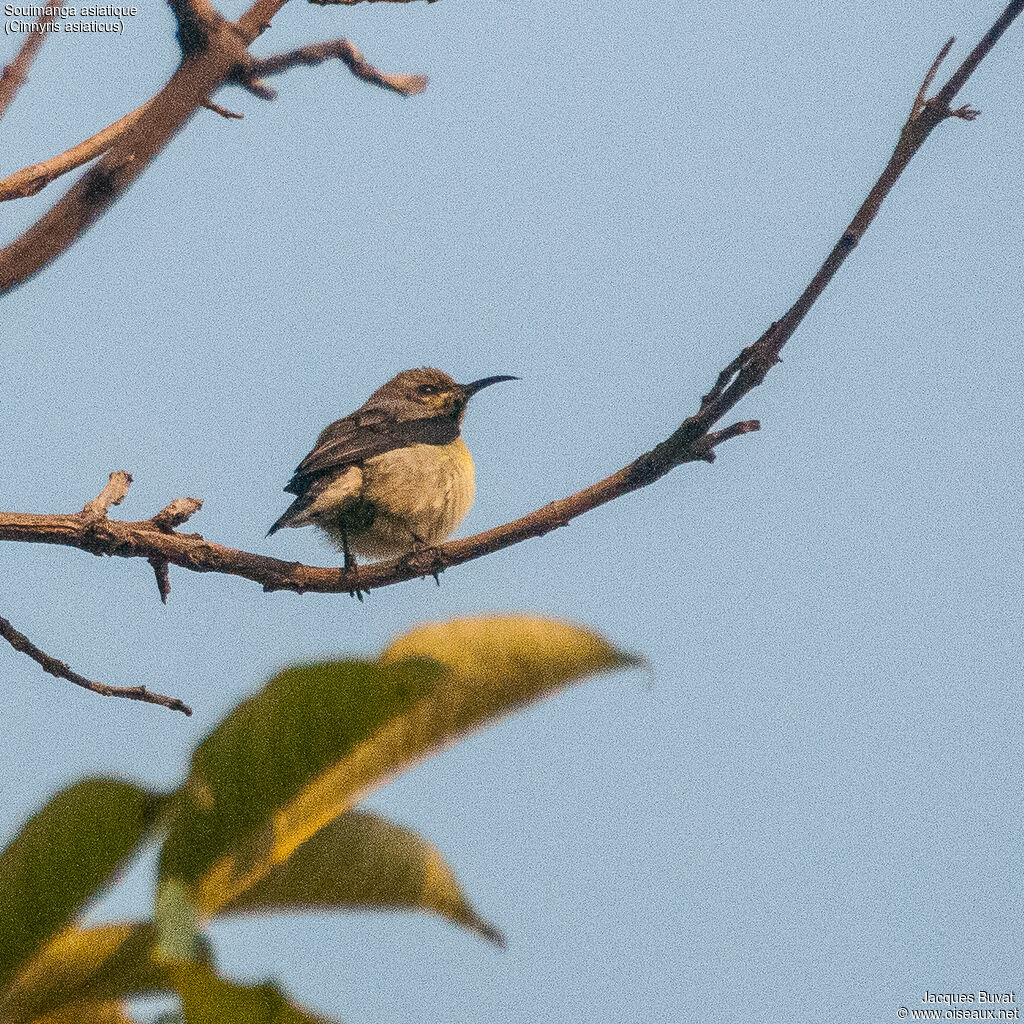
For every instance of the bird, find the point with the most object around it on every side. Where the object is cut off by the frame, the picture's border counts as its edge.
(394, 476)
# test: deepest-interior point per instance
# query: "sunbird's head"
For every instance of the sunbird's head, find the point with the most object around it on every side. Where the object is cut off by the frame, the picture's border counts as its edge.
(429, 392)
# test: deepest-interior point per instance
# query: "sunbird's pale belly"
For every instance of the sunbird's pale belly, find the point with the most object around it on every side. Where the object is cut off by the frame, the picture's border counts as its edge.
(395, 501)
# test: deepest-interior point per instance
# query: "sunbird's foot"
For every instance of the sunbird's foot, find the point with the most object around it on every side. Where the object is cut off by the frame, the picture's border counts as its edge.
(350, 565)
(421, 548)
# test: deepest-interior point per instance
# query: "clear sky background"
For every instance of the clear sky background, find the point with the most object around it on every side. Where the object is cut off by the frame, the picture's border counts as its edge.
(811, 808)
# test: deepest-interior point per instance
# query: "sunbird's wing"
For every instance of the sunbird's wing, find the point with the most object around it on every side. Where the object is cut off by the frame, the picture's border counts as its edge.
(365, 433)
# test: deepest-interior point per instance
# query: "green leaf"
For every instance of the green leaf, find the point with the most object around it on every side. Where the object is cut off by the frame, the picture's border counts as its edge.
(320, 738)
(269, 750)
(208, 999)
(106, 963)
(177, 920)
(63, 857)
(361, 861)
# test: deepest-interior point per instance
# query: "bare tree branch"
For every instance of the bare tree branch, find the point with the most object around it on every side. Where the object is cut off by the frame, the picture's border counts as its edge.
(346, 52)
(30, 180)
(15, 74)
(751, 366)
(215, 52)
(959, 78)
(61, 670)
(155, 539)
(177, 512)
(129, 155)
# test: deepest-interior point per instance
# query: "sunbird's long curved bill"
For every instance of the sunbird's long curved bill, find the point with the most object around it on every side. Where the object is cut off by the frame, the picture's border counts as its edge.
(485, 382)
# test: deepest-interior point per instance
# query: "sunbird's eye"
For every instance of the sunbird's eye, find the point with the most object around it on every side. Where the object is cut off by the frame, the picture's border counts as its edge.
(428, 389)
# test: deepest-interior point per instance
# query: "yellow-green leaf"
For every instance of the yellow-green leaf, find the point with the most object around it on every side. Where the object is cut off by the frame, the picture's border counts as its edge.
(63, 857)
(208, 999)
(320, 738)
(516, 658)
(102, 964)
(361, 861)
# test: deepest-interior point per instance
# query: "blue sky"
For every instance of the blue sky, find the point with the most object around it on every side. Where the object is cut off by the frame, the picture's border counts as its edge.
(810, 808)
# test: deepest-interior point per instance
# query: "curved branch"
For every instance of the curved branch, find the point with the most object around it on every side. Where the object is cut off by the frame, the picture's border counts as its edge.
(155, 539)
(61, 670)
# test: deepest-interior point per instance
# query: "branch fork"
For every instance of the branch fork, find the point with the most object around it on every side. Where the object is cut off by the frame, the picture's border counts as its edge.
(113, 493)
(98, 538)
(215, 52)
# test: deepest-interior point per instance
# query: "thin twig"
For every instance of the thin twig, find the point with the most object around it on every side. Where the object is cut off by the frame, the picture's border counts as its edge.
(178, 512)
(114, 492)
(229, 115)
(711, 441)
(173, 515)
(61, 670)
(343, 50)
(15, 74)
(922, 93)
(944, 97)
(163, 578)
(749, 369)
